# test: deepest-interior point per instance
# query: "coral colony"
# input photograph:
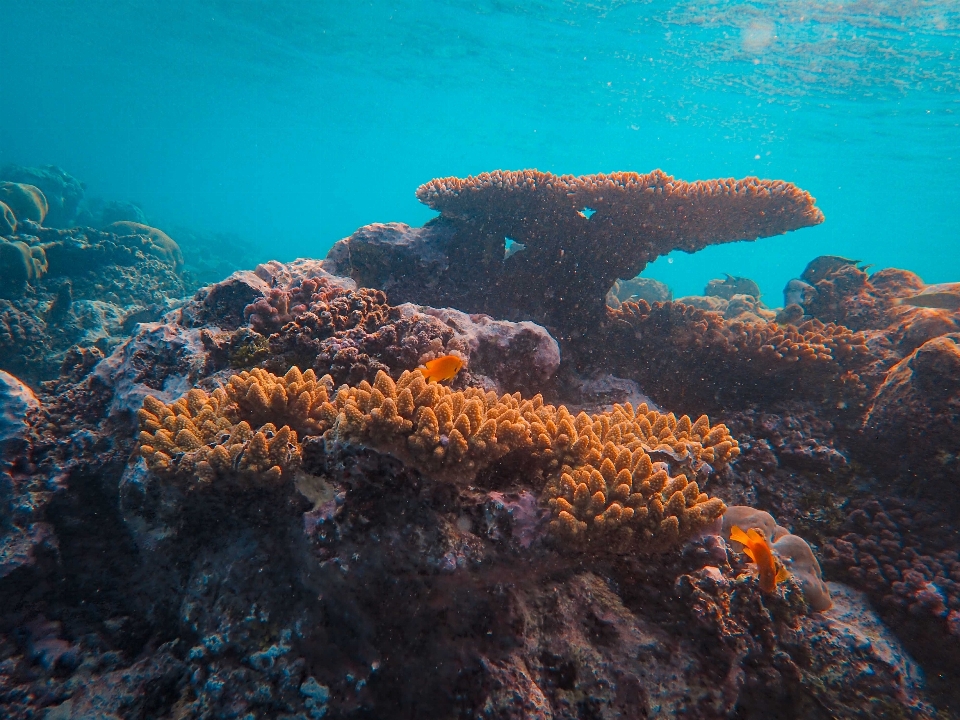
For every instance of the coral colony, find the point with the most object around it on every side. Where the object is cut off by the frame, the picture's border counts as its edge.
(467, 469)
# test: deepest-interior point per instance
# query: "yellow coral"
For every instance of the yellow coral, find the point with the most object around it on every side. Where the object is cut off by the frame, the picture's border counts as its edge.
(606, 475)
(194, 438)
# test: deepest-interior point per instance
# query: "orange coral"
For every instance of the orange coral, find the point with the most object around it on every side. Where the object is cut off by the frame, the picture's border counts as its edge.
(195, 440)
(606, 474)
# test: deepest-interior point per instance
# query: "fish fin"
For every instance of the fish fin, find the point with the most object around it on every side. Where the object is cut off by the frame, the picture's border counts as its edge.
(782, 574)
(756, 537)
(739, 535)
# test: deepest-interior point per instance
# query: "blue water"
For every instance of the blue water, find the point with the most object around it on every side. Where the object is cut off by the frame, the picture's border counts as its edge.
(292, 123)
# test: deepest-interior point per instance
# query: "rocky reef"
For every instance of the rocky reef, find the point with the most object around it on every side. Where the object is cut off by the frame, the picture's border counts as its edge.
(252, 503)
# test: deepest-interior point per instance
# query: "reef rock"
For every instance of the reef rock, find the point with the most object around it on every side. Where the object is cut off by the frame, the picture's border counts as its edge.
(913, 421)
(62, 192)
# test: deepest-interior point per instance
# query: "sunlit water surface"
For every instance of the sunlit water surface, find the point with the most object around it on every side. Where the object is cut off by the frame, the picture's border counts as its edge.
(292, 123)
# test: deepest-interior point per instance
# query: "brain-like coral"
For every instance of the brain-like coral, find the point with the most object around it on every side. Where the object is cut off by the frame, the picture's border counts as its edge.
(158, 244)
(735, 361)
(8, 221)
(62, 192)
(604, 477)
(19, 264)
(26, 201)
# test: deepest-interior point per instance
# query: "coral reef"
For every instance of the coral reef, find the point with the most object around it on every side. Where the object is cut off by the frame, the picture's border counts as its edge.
(912, 424)
(580, 234)
(61, 191)
(735, 361)
(79, 287)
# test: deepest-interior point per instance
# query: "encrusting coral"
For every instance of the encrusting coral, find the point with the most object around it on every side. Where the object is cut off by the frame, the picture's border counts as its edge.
(578, 234)
(606, 475)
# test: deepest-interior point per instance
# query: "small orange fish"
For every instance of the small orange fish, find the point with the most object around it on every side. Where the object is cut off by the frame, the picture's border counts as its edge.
(757, 548)
(442, 368)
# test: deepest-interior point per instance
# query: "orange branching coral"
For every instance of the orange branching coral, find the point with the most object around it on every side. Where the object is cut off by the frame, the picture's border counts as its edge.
(733, 358)
(297, 399)
(195, 439)
(610, 490)
(446, 433)
(606, 474)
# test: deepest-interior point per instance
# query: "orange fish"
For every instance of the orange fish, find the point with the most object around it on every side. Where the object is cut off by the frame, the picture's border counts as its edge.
(442, 368)
(757, 548)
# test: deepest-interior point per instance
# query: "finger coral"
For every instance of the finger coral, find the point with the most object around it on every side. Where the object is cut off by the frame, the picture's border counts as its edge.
(578, 236)
(735, 360)
(610, 490)
(607, 481)
(195, 442)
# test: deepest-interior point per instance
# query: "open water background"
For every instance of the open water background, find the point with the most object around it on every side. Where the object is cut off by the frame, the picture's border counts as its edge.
(291, 123)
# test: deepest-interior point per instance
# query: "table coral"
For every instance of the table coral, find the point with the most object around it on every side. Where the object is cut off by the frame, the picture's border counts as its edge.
(736, 361)
(579, 235)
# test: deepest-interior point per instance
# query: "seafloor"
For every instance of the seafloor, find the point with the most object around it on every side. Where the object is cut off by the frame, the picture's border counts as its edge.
(192, 528)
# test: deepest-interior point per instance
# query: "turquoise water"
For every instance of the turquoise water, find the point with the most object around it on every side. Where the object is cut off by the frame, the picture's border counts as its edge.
(293, 123)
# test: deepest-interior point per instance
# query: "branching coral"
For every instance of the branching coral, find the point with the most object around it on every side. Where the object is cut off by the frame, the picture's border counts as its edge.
(194, 440)
(607, 477)
(319, 306)
(610, 491)
(735, 360)
(579, 235)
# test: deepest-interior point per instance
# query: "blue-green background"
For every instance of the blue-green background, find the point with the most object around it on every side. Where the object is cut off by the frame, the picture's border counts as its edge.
(292, 123)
